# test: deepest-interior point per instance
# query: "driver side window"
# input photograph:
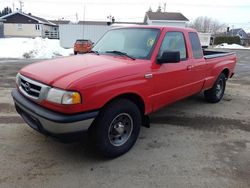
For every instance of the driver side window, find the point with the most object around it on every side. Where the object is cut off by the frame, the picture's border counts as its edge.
(174, 41)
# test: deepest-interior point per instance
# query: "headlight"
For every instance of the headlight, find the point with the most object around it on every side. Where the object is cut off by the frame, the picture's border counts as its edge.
(63, 97)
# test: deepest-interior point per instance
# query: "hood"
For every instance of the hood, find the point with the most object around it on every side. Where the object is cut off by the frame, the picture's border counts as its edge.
(61, 72)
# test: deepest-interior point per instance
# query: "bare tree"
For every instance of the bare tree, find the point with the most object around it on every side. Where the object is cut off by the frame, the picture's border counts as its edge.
(208, 25)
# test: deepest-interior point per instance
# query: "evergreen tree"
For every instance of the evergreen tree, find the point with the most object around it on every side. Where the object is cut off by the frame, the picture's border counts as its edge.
(150, 9)
(5, 11)
(159, 9)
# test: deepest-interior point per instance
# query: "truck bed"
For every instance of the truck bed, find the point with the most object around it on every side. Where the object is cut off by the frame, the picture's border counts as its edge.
(210, 54)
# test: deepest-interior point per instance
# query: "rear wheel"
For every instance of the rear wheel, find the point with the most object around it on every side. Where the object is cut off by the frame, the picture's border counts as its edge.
(75, 53)
(216, 93)
(117, 127)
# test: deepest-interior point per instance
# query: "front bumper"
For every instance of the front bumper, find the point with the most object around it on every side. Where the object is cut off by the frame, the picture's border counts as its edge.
(49, 122)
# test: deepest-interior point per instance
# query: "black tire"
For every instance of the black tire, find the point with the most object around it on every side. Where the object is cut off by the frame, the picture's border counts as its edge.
(116, 129)
(216, 93)
(75, 53)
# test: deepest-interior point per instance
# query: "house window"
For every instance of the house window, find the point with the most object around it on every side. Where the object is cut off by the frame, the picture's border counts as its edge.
(19, 26)
(37, 26)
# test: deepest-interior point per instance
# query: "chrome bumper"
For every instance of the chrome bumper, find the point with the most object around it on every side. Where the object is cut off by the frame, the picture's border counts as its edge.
(49, 122)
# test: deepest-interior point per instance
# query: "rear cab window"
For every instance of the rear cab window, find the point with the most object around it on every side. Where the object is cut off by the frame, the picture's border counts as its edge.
(195, 45)
(174, 41)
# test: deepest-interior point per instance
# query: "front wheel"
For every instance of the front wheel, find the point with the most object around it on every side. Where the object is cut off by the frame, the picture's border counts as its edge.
(216, 93)
(117, 127)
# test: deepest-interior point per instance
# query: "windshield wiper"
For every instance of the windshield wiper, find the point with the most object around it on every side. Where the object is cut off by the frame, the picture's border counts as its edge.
(93, 51)
(120, 53)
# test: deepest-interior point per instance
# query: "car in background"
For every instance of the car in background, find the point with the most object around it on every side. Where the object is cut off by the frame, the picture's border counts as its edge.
(82, 46)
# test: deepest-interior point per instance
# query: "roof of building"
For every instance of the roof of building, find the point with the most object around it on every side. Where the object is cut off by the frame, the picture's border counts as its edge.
(105, 23)
(92, 23)
(40, 20)
(235, 30)
(166, 16)
(238, 32)
(59, 22)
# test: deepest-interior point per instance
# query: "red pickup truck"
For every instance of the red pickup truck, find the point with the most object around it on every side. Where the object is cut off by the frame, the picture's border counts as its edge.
(130, 73)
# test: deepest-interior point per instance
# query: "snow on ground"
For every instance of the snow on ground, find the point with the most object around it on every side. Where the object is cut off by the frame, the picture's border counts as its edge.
(231, 46)
(37, 48)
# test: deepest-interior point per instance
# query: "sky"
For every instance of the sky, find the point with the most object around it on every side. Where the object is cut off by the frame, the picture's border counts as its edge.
(231, 12)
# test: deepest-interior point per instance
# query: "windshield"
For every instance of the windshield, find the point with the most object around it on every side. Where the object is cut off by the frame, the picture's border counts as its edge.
(135, 42)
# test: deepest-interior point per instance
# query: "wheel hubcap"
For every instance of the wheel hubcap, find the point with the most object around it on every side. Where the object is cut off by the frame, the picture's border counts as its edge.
(120, 129)
(219, 89)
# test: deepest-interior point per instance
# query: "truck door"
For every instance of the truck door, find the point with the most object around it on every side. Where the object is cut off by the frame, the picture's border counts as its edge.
(197, 65)
(171, 81)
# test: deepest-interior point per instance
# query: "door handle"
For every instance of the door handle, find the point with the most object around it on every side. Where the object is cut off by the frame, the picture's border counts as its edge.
(148, 76)
(189, 67)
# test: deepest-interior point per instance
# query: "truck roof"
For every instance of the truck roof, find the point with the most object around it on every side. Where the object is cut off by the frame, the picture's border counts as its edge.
(154, 27)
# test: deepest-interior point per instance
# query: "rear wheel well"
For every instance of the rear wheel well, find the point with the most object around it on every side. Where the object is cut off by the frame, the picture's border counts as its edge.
(134, 98)
(226, 73)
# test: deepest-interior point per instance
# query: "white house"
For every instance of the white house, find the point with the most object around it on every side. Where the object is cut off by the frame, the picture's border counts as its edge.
(174, 19)
(19, 24)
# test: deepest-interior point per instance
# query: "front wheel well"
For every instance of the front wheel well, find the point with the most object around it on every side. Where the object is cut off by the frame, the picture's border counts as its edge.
(132, 97)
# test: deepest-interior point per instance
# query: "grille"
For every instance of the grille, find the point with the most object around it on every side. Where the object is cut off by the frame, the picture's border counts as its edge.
(31, 88)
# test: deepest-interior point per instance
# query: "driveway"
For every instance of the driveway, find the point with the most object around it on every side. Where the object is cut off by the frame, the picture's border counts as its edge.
(190, 144)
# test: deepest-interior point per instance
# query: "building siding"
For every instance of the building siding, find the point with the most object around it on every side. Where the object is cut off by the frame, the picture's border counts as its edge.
(1, 30)
(23, 30)
(69, 33)
(171, 23)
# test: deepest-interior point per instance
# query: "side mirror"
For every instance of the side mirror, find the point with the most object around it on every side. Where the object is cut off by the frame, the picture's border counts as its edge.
(169, 57)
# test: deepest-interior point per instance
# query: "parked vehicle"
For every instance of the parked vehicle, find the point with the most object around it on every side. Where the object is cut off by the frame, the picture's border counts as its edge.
(130, 73)
(82, 46)
(205, 39)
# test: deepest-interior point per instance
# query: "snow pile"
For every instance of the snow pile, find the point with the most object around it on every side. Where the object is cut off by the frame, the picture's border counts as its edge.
(230, 46)
(37, 48)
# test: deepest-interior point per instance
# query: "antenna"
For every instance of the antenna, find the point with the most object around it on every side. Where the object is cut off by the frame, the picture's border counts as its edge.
(84, 8)
(21, 4)
(164, 7)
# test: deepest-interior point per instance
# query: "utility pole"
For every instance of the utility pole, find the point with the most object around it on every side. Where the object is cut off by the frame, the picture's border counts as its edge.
(76, 17)
(21, 6)
(84, 9)
(13, 6)
(164, 7)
